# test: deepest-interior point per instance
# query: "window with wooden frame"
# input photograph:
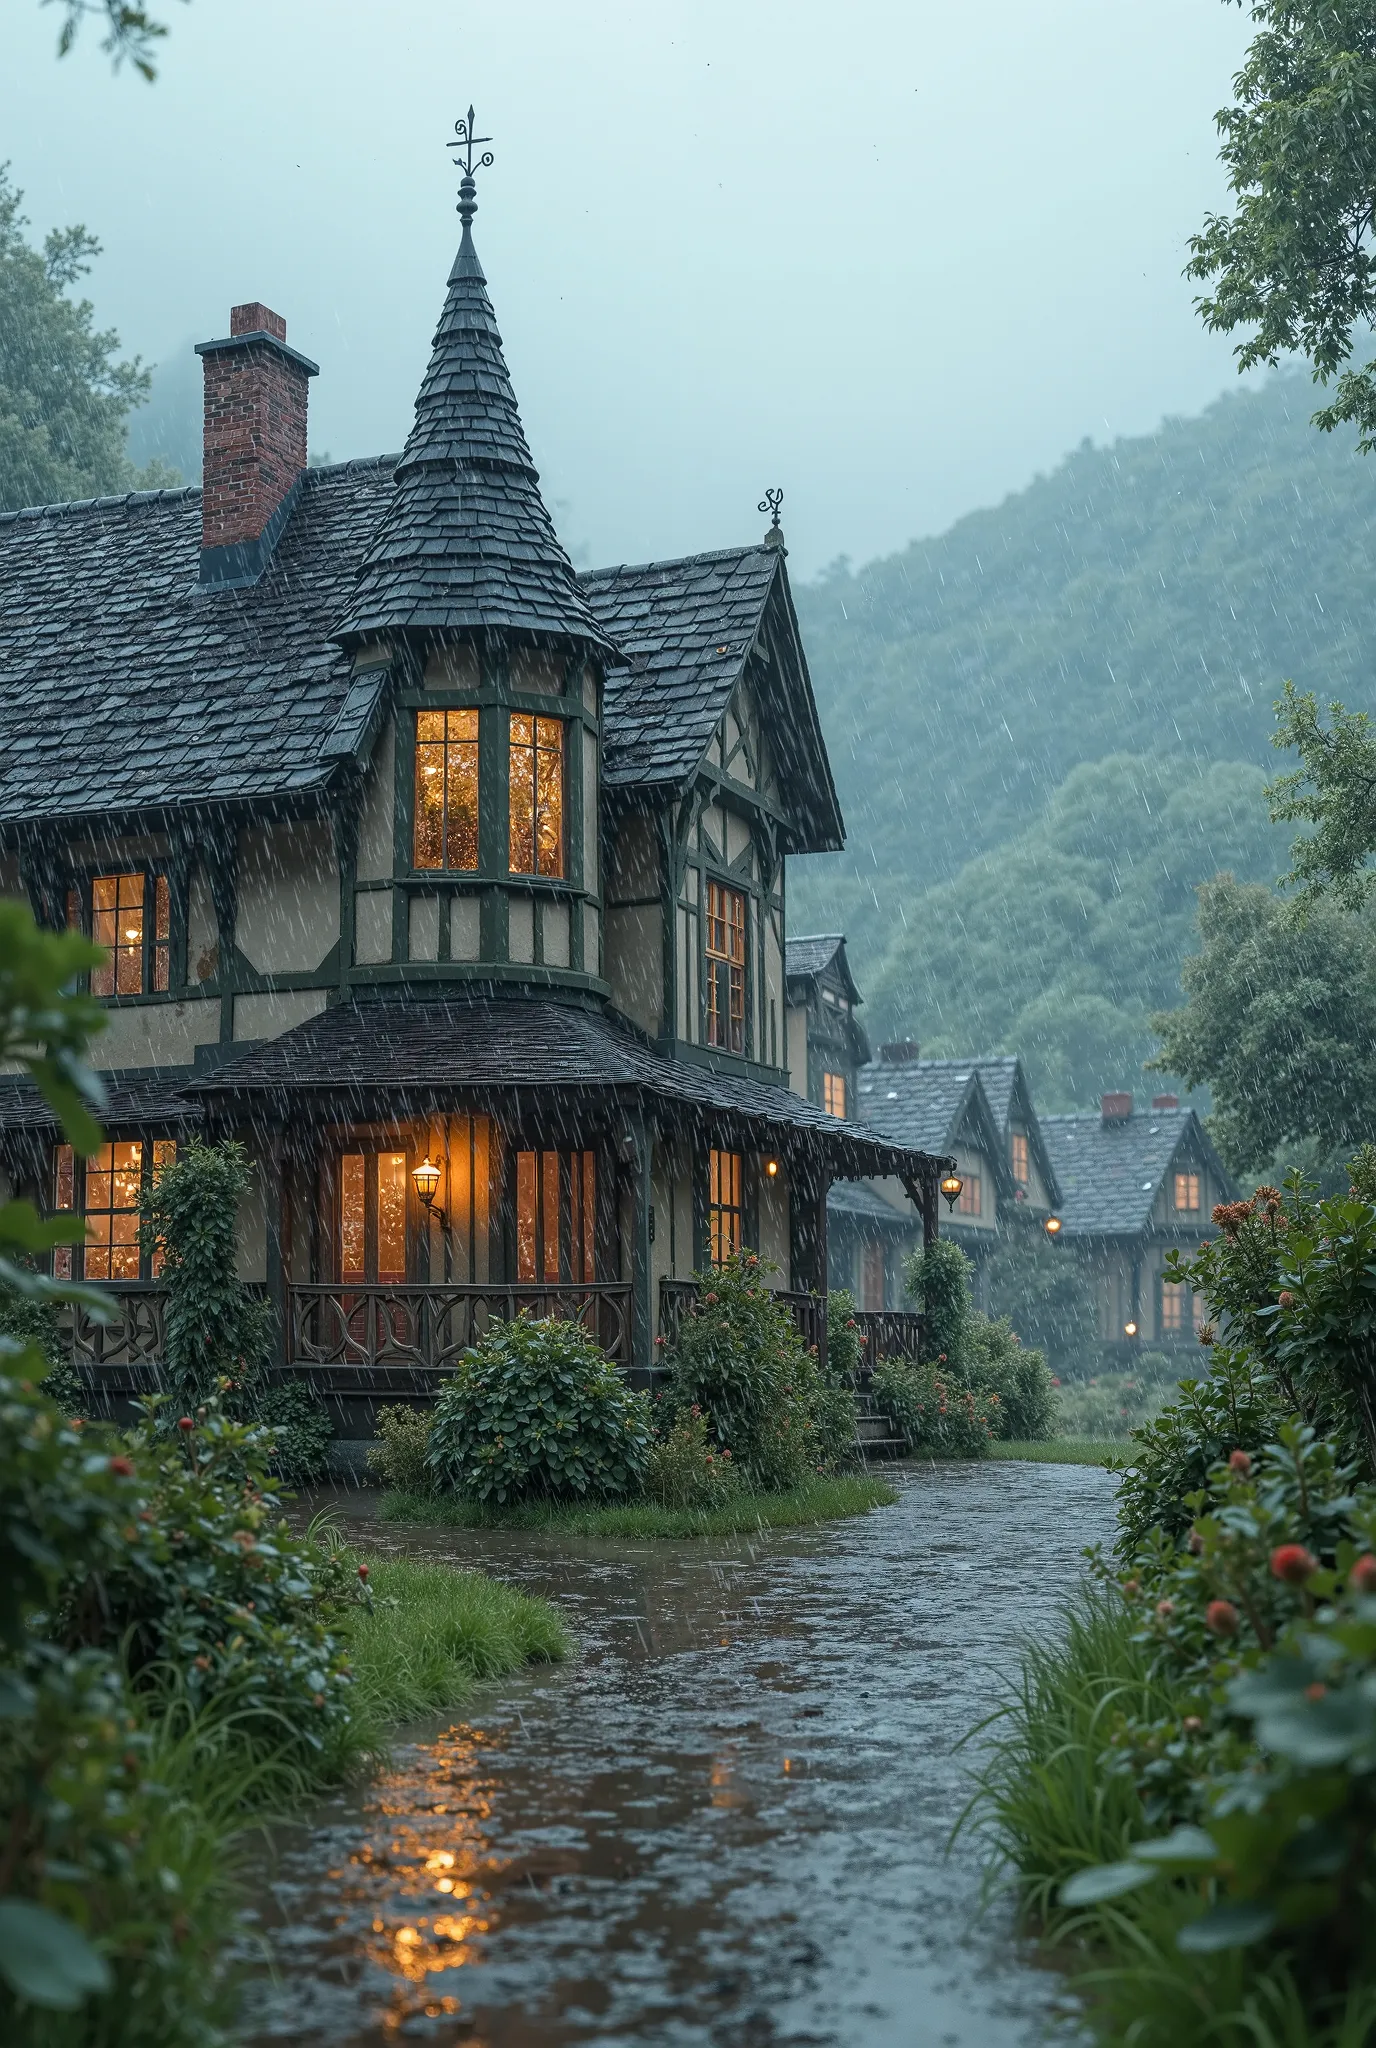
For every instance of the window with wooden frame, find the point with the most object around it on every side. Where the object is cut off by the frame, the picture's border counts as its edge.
(725, 1205)
(725, 967)
(1187, 1191)
(105, 1191)
(131, 916)
(372, 1195)
(1174, 1315)
(445, 822)
(536, 797)
(1017, 1145)
(556, 1217)
(834, 1094)
(970, 1200)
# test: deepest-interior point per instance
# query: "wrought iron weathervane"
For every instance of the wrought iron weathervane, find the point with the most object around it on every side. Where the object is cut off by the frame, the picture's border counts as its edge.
(771, 502)
(464, 145)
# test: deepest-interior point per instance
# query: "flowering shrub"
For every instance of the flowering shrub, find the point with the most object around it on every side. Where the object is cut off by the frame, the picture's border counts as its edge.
(845, 1345)
(536, 1409)
(997, 1364)
(400, 1457)
(1262, 1623)
(687, 1470)
(740, 1361)
(937, 1416)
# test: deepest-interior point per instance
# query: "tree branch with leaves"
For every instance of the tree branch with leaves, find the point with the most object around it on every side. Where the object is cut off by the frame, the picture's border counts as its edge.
(131, 34)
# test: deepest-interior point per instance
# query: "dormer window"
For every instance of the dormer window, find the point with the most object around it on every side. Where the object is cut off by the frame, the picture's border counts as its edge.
(1187, 1191)
(537, 795)
(725, 967)
(446, 815)
(834, 1094)
(131, 916)
(1019, 1151)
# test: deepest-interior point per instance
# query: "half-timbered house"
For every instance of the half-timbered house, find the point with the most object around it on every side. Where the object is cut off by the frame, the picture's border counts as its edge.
(452, 882)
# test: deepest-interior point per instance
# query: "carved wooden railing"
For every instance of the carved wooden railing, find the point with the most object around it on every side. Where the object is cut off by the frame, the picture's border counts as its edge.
(133, 1337)
(887, 1333)
(809, 1312)
(426, 1329)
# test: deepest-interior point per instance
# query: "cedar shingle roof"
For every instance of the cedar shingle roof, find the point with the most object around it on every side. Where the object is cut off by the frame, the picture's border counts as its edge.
(125, 684)
(808, 956)
(416, 1046)
(1111, 1173)
(465, 541)
(920, 1102)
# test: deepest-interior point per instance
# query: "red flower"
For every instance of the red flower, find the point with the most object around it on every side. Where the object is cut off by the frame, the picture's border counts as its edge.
(363, 1571)
(1220, 1616)
(711, 1300)
(1362, 1577)
(203, 1663)
(186, 1423)
(123, 1467)
(1240, 1463)
(74, 1422)
(1165, 1609)
(1292, 1563)
(1054, 1381)
(1286, 1298)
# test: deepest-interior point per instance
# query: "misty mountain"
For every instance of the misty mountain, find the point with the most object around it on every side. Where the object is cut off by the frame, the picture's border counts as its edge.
(1144, 601)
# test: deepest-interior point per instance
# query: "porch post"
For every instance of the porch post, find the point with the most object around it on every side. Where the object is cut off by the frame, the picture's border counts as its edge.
(807, 1226)
(274, 1205)
(637, 1146)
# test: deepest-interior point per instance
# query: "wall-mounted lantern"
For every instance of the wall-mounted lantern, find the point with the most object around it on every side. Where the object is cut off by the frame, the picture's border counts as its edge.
(1052, 1226)
(771, 1167)
(427, 1179)
(1129, 1329)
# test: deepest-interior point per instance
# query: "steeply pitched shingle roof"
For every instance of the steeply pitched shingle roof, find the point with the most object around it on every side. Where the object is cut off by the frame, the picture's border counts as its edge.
(811, 955)
(124, 684)
(1110, 1173)
(465, 541)
(921, 1102)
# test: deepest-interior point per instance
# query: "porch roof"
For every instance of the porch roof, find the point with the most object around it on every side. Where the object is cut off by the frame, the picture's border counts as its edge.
(421, 1051)
(137, 1101)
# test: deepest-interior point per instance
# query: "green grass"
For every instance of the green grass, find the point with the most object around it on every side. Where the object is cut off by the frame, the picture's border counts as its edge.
(1049, 1804)
(1063, 1450)
(822, 1500)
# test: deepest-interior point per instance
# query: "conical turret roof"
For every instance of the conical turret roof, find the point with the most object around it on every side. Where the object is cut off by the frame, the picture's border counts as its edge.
(466, 542)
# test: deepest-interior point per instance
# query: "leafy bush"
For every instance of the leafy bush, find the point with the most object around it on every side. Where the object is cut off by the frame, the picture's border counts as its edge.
(1235, 1409)
(938, 1279)
(401, 1456)
(996, 1363)
(535, 1408)
(937, 1416)
(1111, 1404)
(740, 1360)
(301, 1431)
(686, 1469)
(845, 1345)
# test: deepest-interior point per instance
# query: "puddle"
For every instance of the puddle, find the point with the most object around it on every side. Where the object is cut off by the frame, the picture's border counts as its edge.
(725, 1825)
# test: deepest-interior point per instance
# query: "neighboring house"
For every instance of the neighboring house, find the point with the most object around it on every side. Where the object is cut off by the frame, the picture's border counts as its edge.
(1135, 1184)
(452, 882)
(902, 1096)
(1036, 1189)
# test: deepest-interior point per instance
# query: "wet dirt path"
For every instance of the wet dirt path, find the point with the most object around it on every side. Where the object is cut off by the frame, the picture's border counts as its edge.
(725, 1824)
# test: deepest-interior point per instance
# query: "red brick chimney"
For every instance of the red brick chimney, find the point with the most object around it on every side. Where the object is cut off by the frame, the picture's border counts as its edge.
(1115, 1109)
(255, 443)
(1165, 1102)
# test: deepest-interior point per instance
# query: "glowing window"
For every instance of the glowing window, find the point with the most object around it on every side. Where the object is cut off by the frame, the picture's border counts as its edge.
(139, 947)
(111, 1183)
(1187, 1191)
(445, 833)
(725, 1208)
(834, 1094)
(537, 795)
(725, 967)
(970, 1201)
(1018, 1147)
(1173, 1311)
(372, 1217)
(556, 1212)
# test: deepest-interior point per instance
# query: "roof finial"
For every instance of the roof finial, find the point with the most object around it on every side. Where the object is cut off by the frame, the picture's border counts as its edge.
(770, 503)
(464, 145)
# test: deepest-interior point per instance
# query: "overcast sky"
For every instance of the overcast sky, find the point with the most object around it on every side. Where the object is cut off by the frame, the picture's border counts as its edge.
(896, 255)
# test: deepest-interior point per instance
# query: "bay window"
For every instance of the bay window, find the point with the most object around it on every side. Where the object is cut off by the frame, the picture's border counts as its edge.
(445, 824)
(536, 759)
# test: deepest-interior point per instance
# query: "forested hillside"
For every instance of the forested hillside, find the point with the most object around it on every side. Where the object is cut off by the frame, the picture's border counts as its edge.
(1143, 602)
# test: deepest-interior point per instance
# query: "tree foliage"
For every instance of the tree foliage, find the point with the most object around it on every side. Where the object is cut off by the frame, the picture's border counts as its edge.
(1294, 259)
(131, 35)
(1280, 1023)
(65, 398)
(1334, 789)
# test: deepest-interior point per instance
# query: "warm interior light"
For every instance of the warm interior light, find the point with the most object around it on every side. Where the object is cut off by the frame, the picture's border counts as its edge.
(951, 1185)
(1129, 1329)
(427, 1179)
(771, 1167)
(1052, 1226)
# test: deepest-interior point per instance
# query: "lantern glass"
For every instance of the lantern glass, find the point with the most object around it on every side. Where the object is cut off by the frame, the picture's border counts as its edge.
(427, 1179)
(951, 1186)
(1052, 1226)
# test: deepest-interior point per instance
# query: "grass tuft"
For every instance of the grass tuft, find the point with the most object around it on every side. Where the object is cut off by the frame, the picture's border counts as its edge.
(1064, 1450)
(821, 1500)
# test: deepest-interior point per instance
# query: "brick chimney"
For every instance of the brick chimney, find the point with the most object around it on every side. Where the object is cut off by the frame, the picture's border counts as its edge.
(255, 444)
(1165, 1102)
(1115, 1109)
(898, 1054)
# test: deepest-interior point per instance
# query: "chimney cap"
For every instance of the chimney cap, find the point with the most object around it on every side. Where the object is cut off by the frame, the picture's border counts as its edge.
(899, 1052)
(1116, 1107)
(256, 318)
(254, 325)
(1165, 1102)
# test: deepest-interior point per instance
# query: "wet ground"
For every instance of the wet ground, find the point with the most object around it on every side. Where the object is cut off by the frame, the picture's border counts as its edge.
(725, 1825)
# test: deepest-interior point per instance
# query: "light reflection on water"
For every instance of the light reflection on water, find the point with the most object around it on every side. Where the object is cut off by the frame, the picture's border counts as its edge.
(724, 1826)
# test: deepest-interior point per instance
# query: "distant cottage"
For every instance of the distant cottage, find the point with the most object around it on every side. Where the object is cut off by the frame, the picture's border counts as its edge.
(453, 882)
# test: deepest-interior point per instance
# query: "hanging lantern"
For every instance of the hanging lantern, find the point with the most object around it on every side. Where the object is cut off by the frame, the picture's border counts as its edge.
(1052, 1226)
(951, 1185)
